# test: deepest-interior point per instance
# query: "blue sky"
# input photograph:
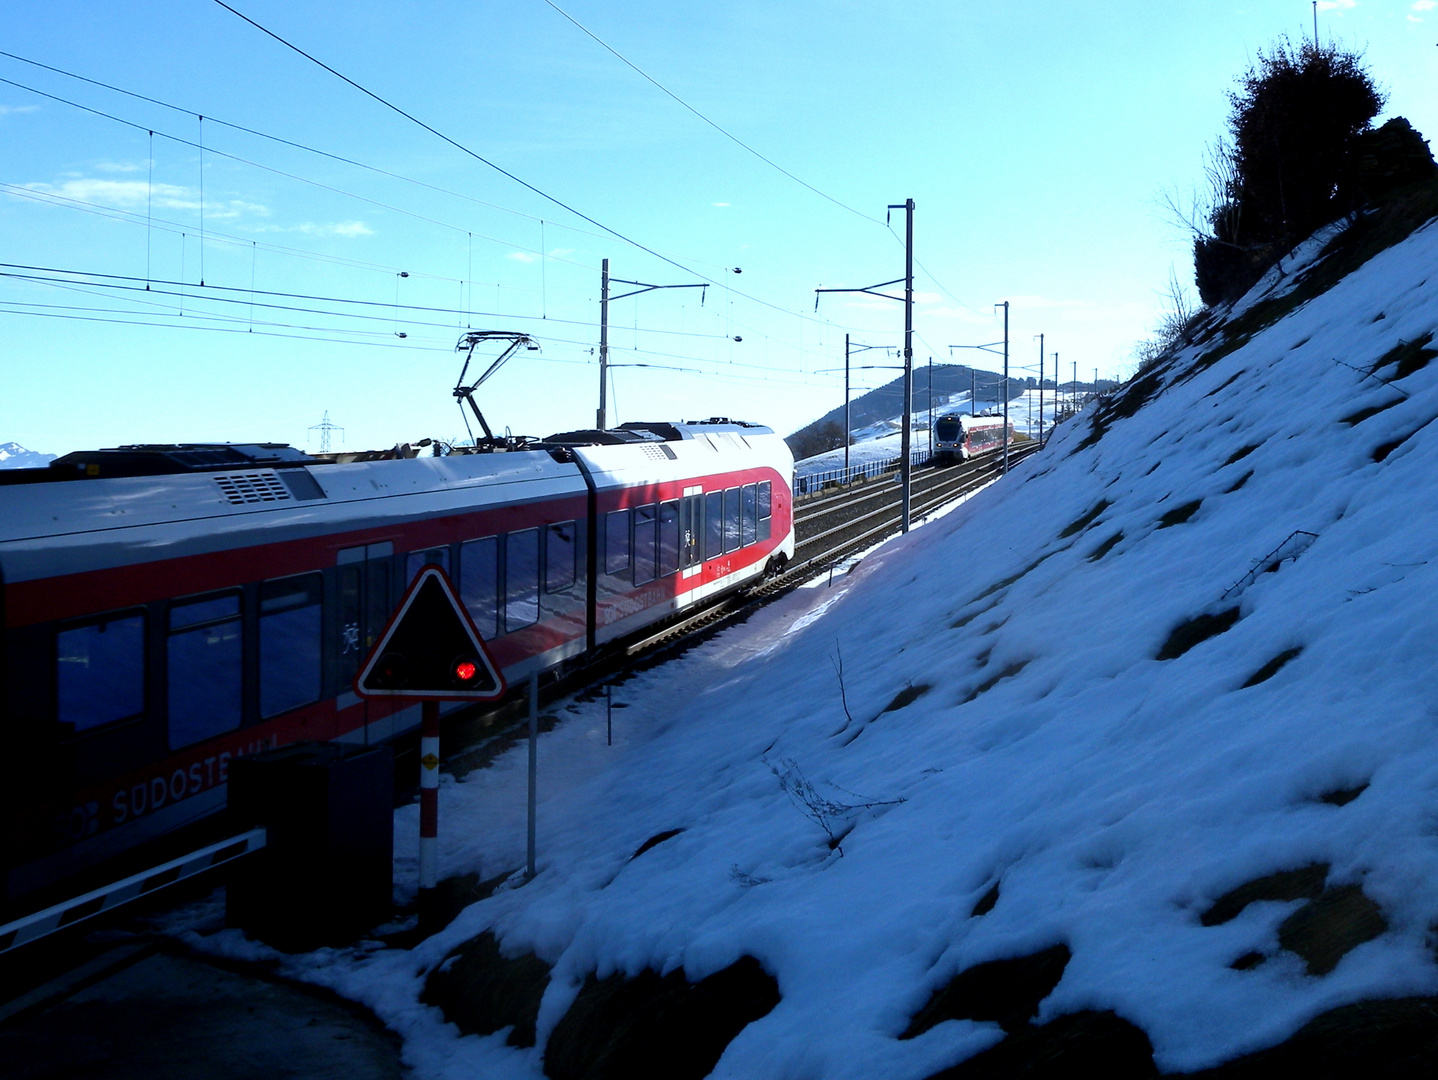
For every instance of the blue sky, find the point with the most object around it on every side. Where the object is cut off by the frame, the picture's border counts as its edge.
(1036, 140)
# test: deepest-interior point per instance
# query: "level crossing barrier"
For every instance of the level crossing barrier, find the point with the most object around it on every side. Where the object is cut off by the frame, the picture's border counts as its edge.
(87, 906)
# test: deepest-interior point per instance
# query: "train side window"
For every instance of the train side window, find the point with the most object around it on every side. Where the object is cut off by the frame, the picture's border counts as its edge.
(731, 519)
(713, 524)
(668, 538)
(100, 672)
(616, 542)
(204, 659)
(645, 539)
(559, 550)
(479, 583)
(750, 503)
(766, 511)
(521, 579)
(290, 622)
(418, 560)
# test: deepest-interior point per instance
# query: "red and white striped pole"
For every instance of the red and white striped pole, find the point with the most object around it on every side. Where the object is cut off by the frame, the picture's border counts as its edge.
(428, 803)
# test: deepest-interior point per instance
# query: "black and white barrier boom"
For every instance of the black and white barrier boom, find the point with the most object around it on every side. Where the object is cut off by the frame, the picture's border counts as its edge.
(32, 927)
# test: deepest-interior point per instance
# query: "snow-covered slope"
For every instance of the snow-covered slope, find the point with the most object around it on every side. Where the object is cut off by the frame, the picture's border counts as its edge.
(983, 703)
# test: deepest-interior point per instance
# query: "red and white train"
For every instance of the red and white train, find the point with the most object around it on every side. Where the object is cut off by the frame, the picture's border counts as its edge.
(166, 609)
(959, 436)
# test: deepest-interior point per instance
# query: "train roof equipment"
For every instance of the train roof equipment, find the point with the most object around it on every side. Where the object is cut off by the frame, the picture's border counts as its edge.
(463, 393)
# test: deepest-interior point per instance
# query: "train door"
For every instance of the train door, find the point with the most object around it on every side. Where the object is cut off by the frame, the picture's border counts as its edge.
(691, 528)
(366, 598)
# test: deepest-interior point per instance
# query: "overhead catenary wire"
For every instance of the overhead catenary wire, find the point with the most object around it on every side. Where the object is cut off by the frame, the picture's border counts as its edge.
(278, 172)
(509, 175)
(251, 294)
(188, 322)
(289, 142)
(722, 131)
(212, 293)
(340, 191)
(31, 193)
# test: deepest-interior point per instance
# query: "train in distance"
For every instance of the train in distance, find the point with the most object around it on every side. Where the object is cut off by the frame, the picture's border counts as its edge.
(959, 436)
(167, 609)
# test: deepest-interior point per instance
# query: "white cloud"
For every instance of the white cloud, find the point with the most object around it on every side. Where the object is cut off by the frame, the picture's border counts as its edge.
(311, 228)
(523, 256)
(720, 204)
(135, 195)
(559, 253)
(338, 228)
(124, 194)
(1424, 5)
(1337, 5)
(11, 110)
(121, 166)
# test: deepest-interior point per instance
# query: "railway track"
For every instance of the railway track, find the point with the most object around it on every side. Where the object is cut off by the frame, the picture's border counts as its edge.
(829, 528)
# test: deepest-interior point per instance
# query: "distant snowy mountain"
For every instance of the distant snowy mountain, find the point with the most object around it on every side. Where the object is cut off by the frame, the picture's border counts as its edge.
(15, 456)
(880, 441)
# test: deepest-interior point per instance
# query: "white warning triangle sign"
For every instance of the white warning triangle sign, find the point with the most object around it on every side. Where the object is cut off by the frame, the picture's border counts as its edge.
(430, 649)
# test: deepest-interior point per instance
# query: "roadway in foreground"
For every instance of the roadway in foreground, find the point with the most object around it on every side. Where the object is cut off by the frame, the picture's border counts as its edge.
(146, 1009)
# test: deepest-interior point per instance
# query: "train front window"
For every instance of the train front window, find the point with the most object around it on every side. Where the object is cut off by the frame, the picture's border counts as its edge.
(645, 539)
(521, 579)
(204, 659)
(290, 622)
(479, 583)
(100, 672)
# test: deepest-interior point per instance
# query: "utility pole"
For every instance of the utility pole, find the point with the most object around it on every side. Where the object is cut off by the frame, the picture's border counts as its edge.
(1005, 305)
(847, 437)
(601, 418)
(1041, 389)
(851, 347)
(1056, 397)
(1315, 24)
(1075, 386)
(905, 465)
(931, 408)
(973, 392)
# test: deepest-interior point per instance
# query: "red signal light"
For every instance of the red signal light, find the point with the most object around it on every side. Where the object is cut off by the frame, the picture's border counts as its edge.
(465, 670)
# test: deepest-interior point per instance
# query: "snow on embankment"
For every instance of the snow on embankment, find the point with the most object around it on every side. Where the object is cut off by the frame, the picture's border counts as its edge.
(1006, 767)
